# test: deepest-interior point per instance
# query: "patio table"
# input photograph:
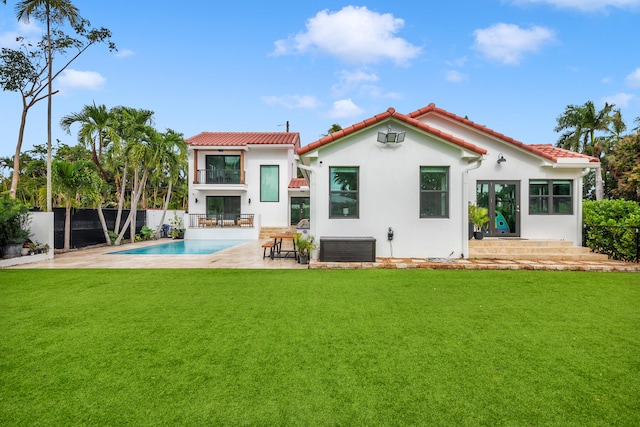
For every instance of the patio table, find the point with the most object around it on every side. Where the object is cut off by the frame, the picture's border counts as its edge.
(278, 252)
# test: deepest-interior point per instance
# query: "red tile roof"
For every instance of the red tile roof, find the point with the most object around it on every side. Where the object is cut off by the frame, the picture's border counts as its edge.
(241, 139)
(545, 150)
(297, 183)
(383, 116)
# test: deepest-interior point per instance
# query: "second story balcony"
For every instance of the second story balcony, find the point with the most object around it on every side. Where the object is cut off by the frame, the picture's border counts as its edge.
(219, 176)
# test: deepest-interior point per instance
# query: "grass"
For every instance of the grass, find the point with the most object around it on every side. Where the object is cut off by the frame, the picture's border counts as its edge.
(252, 347)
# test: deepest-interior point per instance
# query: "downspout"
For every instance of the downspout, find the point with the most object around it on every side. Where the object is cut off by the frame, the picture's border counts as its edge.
(465, 203)
(580, 188)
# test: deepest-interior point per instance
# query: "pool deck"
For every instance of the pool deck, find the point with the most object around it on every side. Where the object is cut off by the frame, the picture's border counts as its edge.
(249, 255)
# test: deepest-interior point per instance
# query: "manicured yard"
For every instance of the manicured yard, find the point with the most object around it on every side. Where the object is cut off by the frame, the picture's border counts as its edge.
(252, 347)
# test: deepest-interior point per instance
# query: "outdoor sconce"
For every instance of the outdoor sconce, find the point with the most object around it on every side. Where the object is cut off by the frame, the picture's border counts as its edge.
(249, 200)
(390, 136)
(196, 200)
(501, 158)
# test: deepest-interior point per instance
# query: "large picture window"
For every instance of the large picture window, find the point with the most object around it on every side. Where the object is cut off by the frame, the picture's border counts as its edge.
(269, 183)
(434, 192)
(343, 192)
(551, 197)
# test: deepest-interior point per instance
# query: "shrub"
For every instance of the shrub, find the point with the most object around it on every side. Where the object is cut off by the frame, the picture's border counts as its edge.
(14, 221)
(612, 227)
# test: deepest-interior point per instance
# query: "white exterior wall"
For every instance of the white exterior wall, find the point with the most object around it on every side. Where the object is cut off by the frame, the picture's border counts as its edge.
(389, 194)
(270, 214)
(521, 166)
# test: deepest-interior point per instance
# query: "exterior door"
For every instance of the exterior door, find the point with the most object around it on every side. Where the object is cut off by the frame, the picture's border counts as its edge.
(299, 209)
(502, 199)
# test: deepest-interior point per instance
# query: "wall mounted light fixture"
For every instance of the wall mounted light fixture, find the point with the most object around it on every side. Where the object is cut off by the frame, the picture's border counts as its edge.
(249, 200)
(501, 158)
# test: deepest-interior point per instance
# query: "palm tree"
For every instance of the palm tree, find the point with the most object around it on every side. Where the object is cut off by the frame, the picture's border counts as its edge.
(95, 130)
(71, 179)
(52, 12)
(581, 123)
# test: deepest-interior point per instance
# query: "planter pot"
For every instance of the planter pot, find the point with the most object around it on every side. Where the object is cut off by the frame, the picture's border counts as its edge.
(25, 251)
(12, 251)
(303, 259)
(478, 235)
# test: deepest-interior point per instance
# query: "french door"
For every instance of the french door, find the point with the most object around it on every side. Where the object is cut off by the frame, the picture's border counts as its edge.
(502, 199)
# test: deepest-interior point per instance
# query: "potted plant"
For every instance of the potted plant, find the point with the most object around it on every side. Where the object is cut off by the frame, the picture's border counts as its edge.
(478, 216)
(178, 226)
(14, 226)
(304, 245)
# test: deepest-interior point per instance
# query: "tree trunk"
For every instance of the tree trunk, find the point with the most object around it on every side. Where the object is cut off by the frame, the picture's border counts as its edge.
(104, 224)
(599, 184)
(16, 159)
(134, 203)
(116, 228)
(166, 206)
(49, 108)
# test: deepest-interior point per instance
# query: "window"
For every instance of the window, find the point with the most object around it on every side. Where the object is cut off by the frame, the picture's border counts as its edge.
(343, 192)
(269, 183)
(550, 197)
(434, 192)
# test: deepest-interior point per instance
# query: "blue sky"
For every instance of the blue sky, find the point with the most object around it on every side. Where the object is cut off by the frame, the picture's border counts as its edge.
(512, 65)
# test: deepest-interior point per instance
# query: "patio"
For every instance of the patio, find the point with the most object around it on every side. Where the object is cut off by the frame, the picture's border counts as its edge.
(250, 255)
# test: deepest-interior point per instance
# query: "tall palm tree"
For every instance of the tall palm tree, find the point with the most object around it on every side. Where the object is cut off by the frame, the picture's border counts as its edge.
(52, 12)
(581, 124)
(95, 130)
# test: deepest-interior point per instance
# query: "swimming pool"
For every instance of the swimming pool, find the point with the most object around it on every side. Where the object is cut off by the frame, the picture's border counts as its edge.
(183, 247)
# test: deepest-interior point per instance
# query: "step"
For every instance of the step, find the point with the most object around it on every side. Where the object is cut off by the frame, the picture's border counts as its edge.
(533, 250)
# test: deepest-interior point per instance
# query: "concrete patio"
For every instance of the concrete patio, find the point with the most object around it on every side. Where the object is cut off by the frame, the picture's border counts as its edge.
(249, 255)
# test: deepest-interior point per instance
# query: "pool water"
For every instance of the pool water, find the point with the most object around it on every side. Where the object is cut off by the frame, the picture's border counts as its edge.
(183, 247)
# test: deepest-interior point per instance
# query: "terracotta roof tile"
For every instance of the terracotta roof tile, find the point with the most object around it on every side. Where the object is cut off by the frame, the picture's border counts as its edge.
(297, 183)
(544, 150)
(383, 116)
(241, 139)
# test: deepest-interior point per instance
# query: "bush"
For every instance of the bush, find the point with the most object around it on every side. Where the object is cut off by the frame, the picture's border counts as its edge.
(612, 227)
(14, 221)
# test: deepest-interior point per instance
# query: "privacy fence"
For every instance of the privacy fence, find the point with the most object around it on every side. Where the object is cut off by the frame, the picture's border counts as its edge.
(86, 229)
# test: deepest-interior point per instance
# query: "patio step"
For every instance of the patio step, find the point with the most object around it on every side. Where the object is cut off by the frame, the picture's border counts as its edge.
(533, 250)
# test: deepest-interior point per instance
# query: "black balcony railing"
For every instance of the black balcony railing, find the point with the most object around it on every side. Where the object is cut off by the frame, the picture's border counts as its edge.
(219, 176)
(617, 241)
(221, 220)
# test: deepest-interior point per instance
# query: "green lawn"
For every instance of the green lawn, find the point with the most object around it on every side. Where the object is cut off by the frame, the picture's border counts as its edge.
(310, 347)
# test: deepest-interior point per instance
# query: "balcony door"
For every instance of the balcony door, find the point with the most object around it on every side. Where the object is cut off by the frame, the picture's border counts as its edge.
(502, 198)
(223, 207)
(223, 169)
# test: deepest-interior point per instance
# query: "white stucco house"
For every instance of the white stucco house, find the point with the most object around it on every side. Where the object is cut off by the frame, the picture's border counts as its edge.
(242, 181)
(415, 174)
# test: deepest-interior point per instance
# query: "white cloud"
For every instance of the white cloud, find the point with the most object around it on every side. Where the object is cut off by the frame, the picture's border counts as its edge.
(354, 35)
(28, 31)
(350, 81)
(124, 53)
(344, 108)
(507, 43)
(304, 102)
(633, 79)
(456, 76)
(621, 100)
(74, 79)
(586, 5)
